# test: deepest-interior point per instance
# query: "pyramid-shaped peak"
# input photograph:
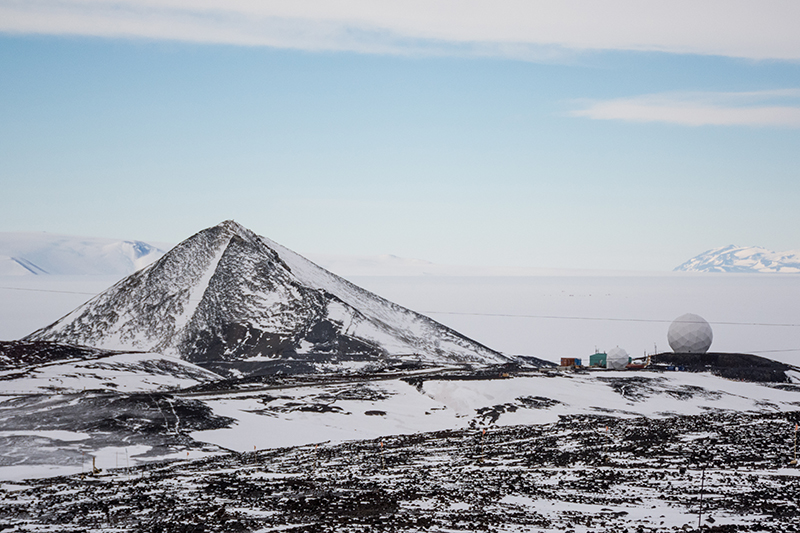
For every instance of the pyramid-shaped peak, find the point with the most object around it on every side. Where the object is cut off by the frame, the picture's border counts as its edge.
(200, 249)
(231, 227)
(238, 303)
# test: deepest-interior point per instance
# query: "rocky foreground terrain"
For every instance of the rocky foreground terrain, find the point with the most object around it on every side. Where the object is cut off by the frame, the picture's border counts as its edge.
(582, 473)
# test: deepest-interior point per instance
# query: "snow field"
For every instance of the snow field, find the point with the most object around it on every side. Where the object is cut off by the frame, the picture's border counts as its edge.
(303, 415)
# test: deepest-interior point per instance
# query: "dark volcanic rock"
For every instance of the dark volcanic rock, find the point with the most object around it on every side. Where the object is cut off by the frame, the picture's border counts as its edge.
(160, 422)
(22, 354)
(638, 474)
(738, 366)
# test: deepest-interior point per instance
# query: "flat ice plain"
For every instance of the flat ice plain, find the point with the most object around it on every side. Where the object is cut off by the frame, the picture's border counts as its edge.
(602, 310)
(551, 314)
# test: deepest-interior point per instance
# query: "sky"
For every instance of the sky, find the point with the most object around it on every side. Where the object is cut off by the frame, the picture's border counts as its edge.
(602, 134)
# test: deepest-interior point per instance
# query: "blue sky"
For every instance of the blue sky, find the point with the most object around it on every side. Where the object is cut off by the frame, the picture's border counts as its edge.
(426, 138)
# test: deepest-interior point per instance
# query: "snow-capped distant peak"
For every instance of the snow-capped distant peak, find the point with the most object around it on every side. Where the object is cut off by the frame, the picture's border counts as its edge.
(742, 259)
(48, 253)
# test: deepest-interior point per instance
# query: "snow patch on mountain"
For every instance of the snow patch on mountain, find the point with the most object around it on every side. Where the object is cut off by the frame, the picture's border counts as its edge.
(742, 259)
(29, 254)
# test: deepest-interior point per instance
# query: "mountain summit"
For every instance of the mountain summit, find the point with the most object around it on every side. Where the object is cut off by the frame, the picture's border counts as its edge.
(237, 303)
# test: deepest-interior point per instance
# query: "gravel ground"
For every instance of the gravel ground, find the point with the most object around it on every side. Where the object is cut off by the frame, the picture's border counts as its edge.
(583, 473)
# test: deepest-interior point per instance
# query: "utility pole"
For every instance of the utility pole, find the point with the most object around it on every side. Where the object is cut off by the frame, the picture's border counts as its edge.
(702, 484)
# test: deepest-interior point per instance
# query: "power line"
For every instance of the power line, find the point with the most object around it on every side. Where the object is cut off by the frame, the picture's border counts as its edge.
(554, 317)
(557, 317)
(69, 292)
(48, 290)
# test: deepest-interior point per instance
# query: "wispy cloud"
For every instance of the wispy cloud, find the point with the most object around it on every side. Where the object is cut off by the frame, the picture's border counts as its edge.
(779, 108)
(759, 29)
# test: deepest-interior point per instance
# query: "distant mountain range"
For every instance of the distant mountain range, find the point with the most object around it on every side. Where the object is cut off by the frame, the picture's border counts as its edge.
(742, 259)
(237, 304)
(29, 254)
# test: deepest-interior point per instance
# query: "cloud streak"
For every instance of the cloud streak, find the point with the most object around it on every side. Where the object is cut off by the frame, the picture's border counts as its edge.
(757, 109)
(763, 29)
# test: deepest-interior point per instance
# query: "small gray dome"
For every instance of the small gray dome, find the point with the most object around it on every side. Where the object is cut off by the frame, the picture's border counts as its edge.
(690, 334)
(617, 359)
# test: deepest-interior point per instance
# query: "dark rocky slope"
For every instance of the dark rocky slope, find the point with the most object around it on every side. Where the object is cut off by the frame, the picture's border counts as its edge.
(22, 354)
(739, 366)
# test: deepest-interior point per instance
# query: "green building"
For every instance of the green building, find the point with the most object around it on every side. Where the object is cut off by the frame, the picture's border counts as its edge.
(598, 359)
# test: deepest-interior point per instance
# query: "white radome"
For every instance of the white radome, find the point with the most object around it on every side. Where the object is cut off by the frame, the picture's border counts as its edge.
(617, 359)
(690, 333)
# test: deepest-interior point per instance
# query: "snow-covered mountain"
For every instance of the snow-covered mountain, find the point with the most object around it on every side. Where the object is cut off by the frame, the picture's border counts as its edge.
(26, 254)
(234, 302)
(742, 259)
